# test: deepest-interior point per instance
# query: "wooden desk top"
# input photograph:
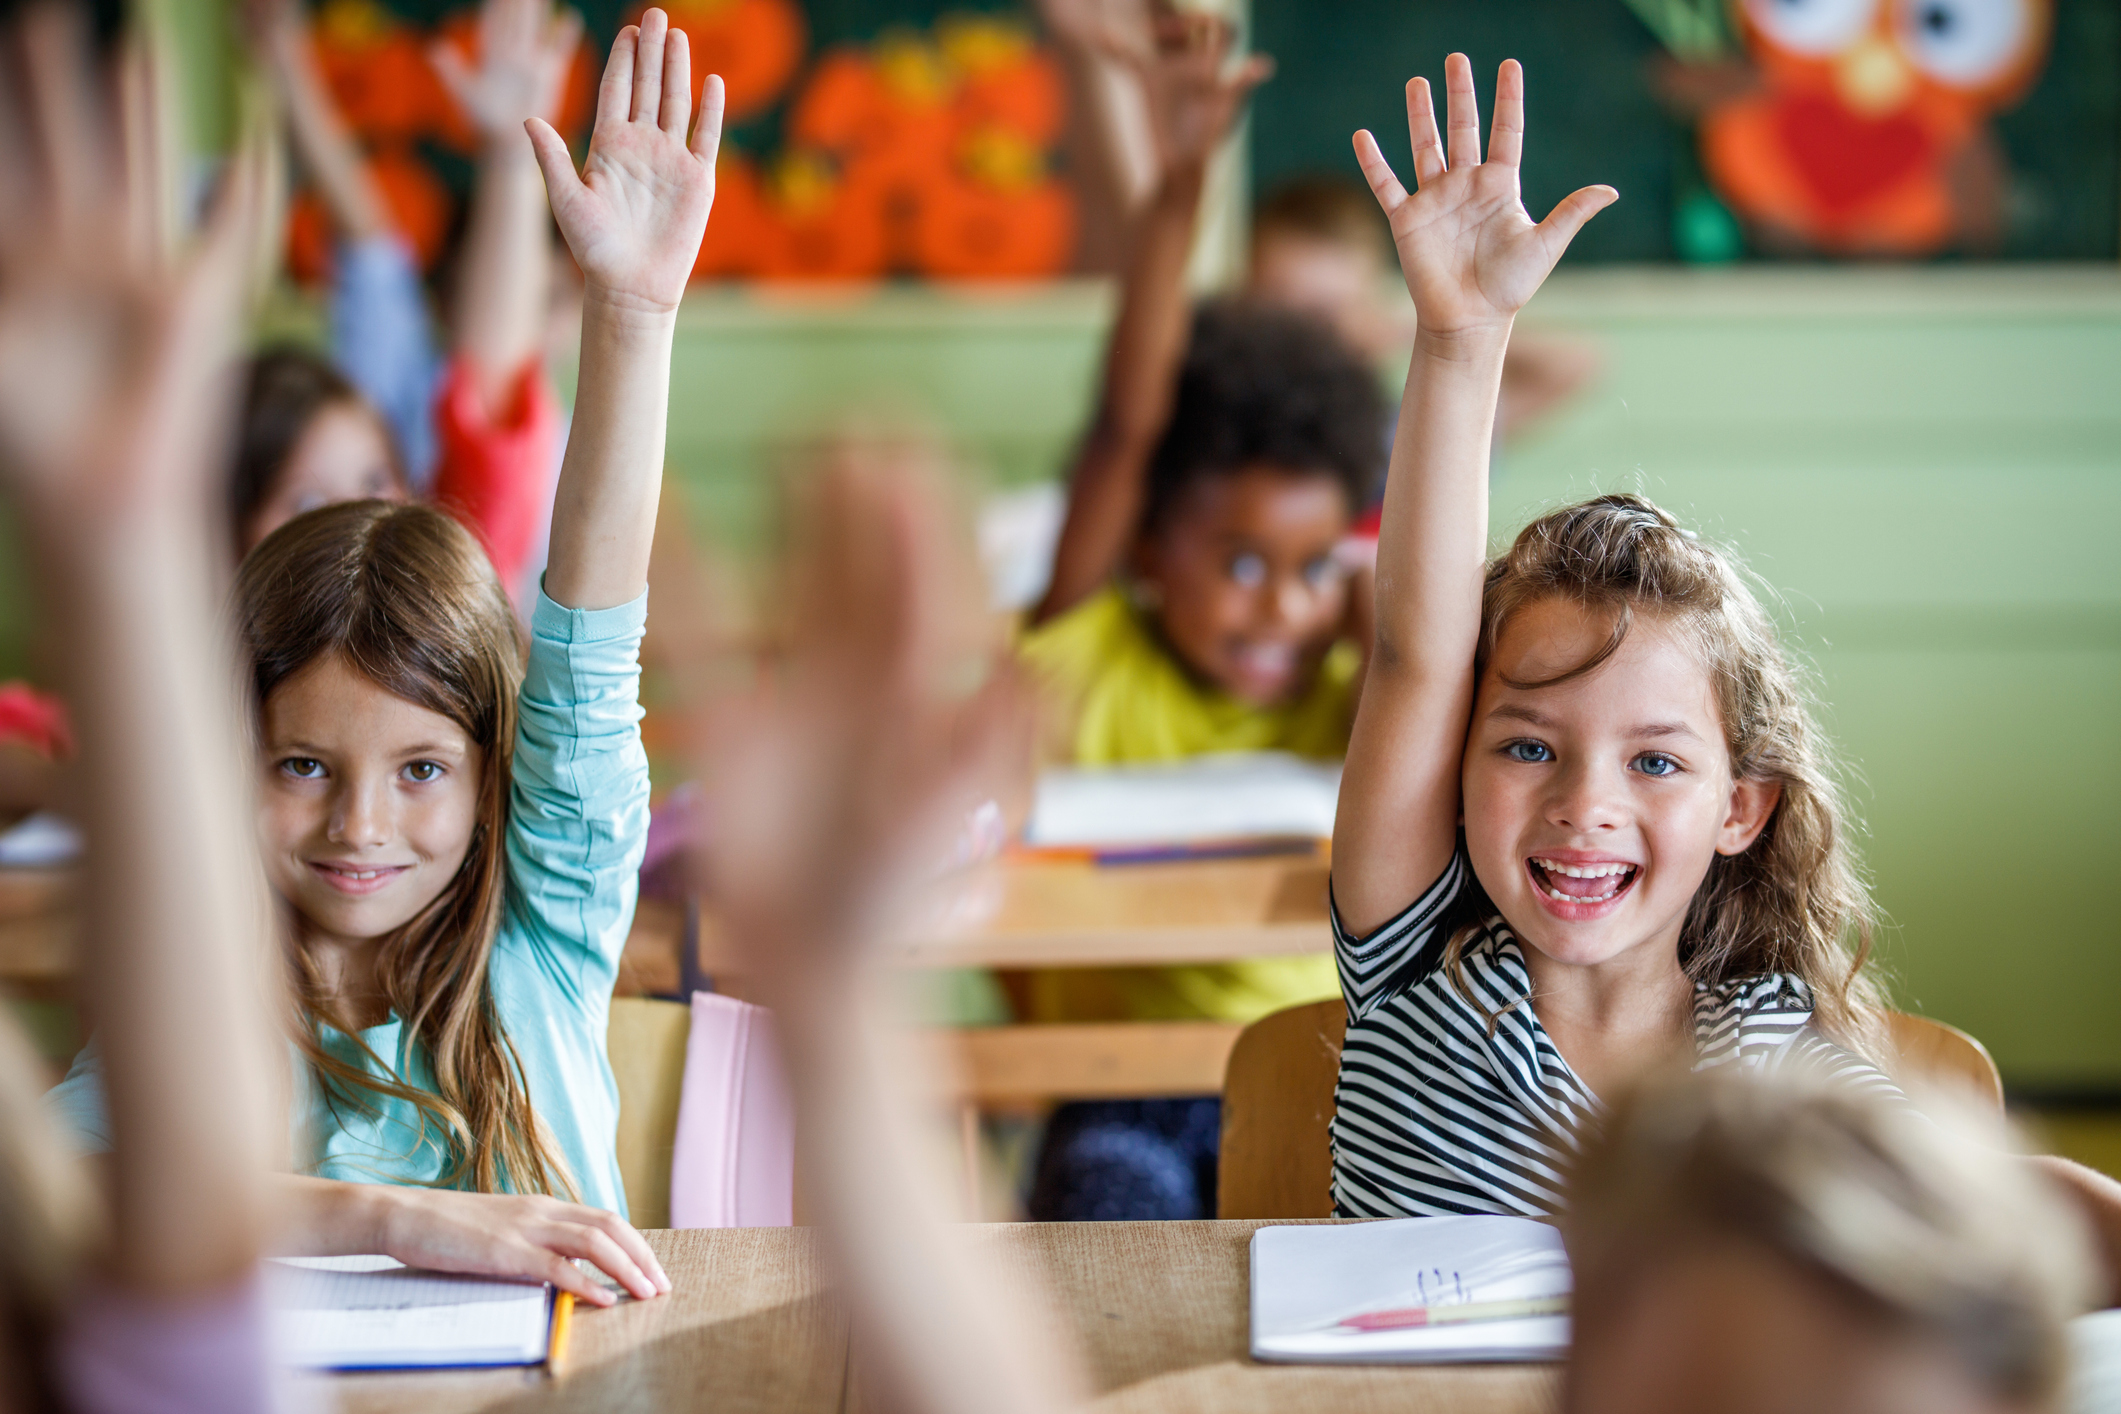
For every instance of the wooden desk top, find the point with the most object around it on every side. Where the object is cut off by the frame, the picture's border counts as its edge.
(1024, 911)
(1159, 1310)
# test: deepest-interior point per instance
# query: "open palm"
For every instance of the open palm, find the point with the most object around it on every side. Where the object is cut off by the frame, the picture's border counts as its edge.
(635, 215)
(1471, 254)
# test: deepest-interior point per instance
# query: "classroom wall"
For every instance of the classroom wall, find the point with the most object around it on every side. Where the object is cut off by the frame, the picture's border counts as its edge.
(1925, 463)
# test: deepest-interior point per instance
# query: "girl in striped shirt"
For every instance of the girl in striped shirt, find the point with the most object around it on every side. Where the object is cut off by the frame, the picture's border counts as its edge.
(1588, 826)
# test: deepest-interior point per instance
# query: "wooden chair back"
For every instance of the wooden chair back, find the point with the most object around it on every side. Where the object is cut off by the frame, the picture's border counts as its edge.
(647, 1043)
(1277, 1161)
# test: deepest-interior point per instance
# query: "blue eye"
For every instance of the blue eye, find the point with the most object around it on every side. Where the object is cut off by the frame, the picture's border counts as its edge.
(1529, 752)
(303, 768)
(1320, 572)
(1656, 763)
(1248, 569)
(422, 772)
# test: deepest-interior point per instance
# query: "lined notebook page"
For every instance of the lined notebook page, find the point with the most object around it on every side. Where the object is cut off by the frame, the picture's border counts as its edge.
(1234, 795)
(366, 1313)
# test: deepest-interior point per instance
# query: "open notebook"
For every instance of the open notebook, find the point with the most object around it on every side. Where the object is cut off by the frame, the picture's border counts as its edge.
(1233, 796)
(1307, 1280)
(374, 1313)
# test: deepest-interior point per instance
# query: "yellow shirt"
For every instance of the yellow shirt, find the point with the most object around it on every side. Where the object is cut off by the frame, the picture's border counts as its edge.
(1113, 695)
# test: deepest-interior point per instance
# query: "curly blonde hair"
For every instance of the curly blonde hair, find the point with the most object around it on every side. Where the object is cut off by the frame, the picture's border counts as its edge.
(1795, 902)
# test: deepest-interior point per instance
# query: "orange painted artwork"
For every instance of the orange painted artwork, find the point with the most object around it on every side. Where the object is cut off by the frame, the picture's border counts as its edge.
(1865, 130)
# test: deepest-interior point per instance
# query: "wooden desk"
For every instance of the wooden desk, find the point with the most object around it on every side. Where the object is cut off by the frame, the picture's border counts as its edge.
(1024, 911)
(749, 1326)
(1159, 1311)
(39, 920)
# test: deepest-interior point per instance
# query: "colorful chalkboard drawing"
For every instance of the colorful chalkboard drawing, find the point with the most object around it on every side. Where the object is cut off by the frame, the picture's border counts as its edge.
(1866, 131)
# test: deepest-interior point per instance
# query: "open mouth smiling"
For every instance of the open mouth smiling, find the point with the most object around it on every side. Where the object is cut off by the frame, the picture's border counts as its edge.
(1581, 886)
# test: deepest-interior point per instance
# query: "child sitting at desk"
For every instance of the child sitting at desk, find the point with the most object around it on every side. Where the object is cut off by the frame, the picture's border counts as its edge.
(1197, 605)
(452, 819)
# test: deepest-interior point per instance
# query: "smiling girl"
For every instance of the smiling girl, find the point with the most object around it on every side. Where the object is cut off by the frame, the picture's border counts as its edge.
(452, 825)
(1587, 826)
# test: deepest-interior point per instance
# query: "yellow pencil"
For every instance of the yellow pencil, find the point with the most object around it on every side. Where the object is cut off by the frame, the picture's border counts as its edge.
(562, 1322)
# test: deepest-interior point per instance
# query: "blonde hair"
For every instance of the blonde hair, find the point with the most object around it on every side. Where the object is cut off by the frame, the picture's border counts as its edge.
(1794, 902)
(408, 598)
(1926, 1219)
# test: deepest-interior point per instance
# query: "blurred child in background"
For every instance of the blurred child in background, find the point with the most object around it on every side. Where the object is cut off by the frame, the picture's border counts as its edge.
(116, 364)
(452, 833)
(1196, 605)
(385, 418)
(1755, 1247)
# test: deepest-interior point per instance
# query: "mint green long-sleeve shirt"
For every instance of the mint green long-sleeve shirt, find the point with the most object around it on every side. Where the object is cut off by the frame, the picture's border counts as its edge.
(577, 825)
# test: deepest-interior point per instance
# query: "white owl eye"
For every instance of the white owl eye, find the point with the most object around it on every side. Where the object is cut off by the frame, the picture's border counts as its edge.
(1964, 42)
(1812, 26)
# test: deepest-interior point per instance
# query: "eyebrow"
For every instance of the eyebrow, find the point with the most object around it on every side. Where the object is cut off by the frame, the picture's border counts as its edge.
(1519, 712)
(304, 748)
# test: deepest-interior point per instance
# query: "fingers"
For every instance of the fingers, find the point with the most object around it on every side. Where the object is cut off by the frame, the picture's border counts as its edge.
(1506, 135)
(615, 90)
(1422, 134)
(648, 65)
(563, 39)
(677, 84)
(69, 134)
(552, 1266)
(456, 75)
(1566, 219)
(1378, 172)
(1256, 70)
(707, 136)
(1462, 113)
(596, 1241)
(553, 158)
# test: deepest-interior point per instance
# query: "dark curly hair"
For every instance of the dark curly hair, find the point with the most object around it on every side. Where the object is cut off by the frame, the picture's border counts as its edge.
(1267, 387)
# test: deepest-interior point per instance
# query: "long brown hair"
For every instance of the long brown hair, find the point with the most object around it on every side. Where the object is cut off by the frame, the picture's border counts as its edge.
(1795, 901)
(408, 599)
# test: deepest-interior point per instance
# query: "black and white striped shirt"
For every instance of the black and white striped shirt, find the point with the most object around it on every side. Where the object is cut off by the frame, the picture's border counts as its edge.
(1437, 1115)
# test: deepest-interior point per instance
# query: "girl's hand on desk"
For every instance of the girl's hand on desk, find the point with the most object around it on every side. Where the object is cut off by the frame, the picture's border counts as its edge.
(510, 1235)
(635, 216)
(1470, 252)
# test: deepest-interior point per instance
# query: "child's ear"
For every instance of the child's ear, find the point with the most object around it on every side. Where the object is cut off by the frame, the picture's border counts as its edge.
(1753, 804)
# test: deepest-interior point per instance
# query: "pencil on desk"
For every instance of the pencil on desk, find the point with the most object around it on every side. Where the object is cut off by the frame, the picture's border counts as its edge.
(562, 1323)
(1458, 1313)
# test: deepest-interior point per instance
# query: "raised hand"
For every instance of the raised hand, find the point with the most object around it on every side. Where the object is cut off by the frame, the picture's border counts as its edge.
(635, 215)
(889, 716)
(1194, 96)
(525, 51)
(115, 353)
(1470, 252)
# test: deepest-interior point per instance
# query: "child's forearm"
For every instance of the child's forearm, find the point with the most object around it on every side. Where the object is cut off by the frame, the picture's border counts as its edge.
(1141, 367)
(506, 267)
(953, 1340)
(603, 516)
(327, 150)
(174, 959)
(1433, 539)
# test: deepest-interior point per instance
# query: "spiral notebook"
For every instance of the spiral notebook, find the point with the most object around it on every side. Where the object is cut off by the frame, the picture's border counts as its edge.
(1308, 1281)
(374, 1313)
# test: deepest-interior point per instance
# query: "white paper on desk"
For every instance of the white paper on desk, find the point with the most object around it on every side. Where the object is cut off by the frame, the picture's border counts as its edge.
(1307, 1279)
(1228, 796)
(375, 1313)
(2094, 1364)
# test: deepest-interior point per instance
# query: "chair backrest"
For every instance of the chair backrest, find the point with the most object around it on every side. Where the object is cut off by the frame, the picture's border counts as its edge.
(646, 1043)
(1277, 1161)
(1277, 1101)
(1943, 1055)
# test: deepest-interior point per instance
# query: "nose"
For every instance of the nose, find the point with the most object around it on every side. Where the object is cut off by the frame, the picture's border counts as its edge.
(1587, 797)
(361, 816)
(1290, 603)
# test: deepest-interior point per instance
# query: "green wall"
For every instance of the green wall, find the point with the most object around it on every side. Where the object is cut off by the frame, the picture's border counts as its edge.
(1925, 463)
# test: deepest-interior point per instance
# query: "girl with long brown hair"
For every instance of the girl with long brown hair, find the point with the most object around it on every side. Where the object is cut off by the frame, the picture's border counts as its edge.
(1588, 825)
(451, 824)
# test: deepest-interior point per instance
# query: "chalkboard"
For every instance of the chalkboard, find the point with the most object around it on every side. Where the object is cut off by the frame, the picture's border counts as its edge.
(1591, 115)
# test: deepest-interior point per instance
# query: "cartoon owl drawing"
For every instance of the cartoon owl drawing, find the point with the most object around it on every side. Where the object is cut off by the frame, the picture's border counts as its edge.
(1866, 132)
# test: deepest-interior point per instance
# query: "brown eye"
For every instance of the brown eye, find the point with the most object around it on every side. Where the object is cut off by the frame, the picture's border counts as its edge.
(421, 772)
(302, 768)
